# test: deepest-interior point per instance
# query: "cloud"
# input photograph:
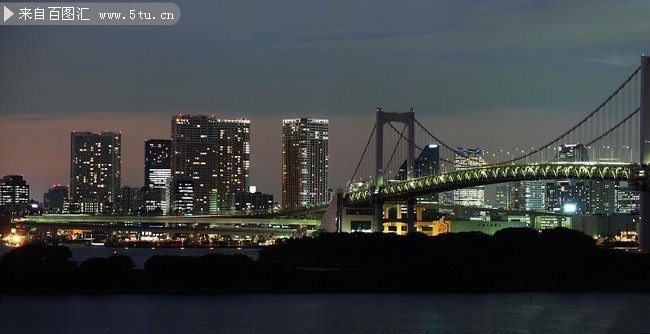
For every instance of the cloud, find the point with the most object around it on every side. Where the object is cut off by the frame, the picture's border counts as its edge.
(616, 60)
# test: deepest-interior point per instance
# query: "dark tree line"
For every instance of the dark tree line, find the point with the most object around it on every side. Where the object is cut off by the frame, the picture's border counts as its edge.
(512, 259)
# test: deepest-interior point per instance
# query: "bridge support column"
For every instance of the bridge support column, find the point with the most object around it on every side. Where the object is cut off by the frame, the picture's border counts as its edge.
(644, 154)
(382, 118)
(410, 214)
(378, 219)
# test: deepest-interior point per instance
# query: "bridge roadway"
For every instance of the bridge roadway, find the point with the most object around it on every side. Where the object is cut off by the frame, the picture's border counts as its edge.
(619, 171)
(171, 224)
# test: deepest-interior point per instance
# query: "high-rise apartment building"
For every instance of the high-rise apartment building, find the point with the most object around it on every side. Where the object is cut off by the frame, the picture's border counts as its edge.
(215, 153)
(95, 167)
(465, 158)
(305, 161)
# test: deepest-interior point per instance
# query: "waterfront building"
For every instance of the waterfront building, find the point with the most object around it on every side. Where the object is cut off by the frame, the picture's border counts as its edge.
(305, 162)
(95, 169)
(215, 153)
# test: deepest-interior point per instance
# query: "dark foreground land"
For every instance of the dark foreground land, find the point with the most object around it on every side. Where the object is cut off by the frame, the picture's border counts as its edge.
(514, 259)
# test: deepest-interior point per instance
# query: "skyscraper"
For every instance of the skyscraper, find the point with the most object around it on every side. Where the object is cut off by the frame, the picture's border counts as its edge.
(305, 161)
(427, 163)
(465, 158)
(157, 163)
(157, 172)
(215, 153)
(95, 169)
(180, 195)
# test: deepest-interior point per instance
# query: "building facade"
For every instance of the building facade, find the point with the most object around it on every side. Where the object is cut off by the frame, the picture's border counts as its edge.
(14, 193)
(181, 195)
(215, 153)
(305, 162)
(157, 163)
(95, 170)
(465, 158)
(56, 199)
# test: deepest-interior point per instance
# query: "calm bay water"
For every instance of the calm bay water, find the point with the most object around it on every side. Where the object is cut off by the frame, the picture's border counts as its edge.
(328, 313)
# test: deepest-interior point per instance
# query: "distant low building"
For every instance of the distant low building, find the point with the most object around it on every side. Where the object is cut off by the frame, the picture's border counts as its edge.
(14, 193)
(56, 199)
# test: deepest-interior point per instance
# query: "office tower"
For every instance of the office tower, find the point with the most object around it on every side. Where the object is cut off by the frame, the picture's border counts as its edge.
(95, 169)
(427, 163)
(14, 193)
(602, 196)
(157, 171)
(130, 201)
(535, 195)
(517, 198)
(569, 192)
(502, 196)
(627, 198)
(572, 153)
(157, 163)
(55, 200)
(566, 196)
(465, 158)
(181, 195)
(215, 153)
(305, 161)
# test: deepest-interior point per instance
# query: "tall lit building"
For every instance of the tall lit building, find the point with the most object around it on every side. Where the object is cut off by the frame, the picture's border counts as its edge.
(157, 163)
(535, 195)
(14, 193)
(181, 196)
(215, 153)
(95, 169)
(465, 158)
(305, 161)
(157, 172)
(627, 198)
(563, 194)
(427, 163)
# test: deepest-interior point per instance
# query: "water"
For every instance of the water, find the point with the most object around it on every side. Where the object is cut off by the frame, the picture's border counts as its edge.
(81, 253)
(328, 313)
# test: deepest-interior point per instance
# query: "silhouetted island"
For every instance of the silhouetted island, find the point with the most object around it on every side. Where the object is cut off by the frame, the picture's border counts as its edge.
(513, 259)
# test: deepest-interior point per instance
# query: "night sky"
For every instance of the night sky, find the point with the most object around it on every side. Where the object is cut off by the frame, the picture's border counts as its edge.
(479, 73)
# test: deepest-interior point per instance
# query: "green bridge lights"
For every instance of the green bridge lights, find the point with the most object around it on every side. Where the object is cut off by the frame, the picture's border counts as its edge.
(500, 174)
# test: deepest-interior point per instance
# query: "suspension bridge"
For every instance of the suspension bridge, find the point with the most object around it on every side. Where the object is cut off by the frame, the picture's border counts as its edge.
(389, 171)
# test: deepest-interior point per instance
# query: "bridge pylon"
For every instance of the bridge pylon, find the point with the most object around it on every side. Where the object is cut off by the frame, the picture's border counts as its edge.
(644, 136)
(407, 118)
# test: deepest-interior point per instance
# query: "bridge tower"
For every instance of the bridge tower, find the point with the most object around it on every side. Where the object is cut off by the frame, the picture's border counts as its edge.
(644, 136)
(407, 118)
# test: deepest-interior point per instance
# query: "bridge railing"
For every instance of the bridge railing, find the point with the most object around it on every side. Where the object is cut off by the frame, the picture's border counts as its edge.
(500, 174)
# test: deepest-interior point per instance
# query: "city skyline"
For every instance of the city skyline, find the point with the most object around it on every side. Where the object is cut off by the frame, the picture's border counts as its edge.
(517, 71)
